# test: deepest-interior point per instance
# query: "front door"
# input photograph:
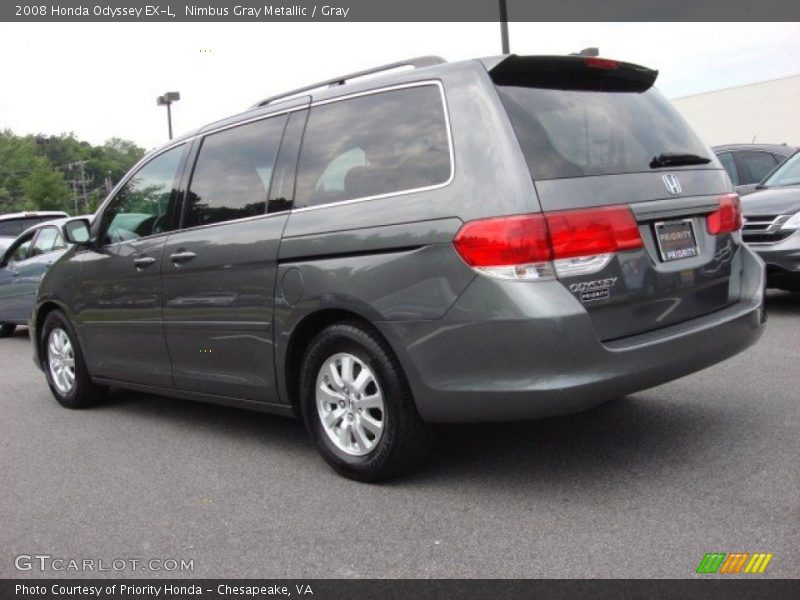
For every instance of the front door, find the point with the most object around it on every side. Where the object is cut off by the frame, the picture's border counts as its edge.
(118, 311)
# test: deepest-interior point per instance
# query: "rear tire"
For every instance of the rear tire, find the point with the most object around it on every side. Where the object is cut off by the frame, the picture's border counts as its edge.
(6, 329)
(64, 366)
(357, 406)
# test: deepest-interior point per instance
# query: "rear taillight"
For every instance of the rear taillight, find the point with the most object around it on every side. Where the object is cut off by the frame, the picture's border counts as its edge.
(593, 231)
(535, 246)
(509, 247)
(727, 218)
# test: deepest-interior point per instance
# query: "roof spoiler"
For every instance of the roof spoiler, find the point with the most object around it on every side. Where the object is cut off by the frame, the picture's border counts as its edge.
(584, 73)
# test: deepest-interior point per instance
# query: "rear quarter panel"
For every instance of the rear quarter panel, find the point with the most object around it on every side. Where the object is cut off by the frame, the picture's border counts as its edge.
(391, 259)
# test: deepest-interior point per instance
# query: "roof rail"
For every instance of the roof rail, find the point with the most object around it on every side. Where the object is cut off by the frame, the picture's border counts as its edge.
(417, 63)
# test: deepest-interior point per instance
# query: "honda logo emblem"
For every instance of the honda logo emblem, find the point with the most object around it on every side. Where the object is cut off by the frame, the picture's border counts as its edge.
(672, 183)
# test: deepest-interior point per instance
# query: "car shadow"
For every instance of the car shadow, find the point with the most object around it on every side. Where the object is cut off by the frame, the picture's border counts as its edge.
(615, 438)
(212, 420)
(604, 442)
(782, 303)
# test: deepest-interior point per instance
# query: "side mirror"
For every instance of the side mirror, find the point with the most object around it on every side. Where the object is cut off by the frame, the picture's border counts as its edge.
(77, 232)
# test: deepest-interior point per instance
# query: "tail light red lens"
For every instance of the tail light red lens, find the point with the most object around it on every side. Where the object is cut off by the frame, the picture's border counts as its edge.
(540, 238)
(504, 241)
(727, 218)
(593, 231)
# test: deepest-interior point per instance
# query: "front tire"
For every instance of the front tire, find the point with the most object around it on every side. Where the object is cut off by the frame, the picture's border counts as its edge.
(64, 365)
(357, 406)
(6, 329)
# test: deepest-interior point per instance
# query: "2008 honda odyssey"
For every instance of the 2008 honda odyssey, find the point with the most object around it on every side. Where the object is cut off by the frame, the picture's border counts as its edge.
(495, 239)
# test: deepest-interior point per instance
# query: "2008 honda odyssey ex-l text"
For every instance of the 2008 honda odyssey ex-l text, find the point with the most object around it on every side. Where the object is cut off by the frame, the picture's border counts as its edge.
(495, 239)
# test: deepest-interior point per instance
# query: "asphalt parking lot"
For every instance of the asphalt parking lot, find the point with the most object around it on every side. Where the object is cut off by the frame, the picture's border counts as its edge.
(641, 487)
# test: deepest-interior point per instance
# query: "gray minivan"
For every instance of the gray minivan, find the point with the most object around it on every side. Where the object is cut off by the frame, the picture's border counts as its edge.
(486, 240)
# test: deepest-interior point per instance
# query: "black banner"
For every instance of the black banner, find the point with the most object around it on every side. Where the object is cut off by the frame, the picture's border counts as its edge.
(717, 588)
(398, 10)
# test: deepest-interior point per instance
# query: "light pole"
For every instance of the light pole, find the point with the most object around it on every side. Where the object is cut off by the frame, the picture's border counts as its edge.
(166, 100)
(504, 27)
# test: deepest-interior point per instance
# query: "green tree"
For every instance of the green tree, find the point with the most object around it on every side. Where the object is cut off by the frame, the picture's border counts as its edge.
(44, 188)
(37, 171)
(17, 159)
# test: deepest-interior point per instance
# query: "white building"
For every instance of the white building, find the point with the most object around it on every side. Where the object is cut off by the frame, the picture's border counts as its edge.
(767, 112)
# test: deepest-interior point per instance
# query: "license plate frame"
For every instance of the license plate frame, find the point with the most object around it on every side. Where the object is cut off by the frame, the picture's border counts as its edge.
(676, 249)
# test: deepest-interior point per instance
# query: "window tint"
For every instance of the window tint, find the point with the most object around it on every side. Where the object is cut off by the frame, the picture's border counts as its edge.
(233, 172)
(375, 144)
(755, 166)
(14, 227)
(145, 205)
(571, 133)
(48, 240)
(726, 158)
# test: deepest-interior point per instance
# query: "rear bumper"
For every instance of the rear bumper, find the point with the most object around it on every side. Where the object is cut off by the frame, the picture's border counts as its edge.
(532, 357)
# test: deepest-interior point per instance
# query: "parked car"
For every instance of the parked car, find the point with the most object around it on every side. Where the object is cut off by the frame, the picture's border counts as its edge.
(772, 225)
(11, 225)
(22, 267)
(748, 164)
(487, 240)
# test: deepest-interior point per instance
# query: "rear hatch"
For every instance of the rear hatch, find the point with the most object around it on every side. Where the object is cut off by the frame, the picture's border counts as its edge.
(607, 150)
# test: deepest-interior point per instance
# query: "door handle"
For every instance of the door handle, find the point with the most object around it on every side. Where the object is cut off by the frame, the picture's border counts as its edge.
(143, 261)
(182, 257)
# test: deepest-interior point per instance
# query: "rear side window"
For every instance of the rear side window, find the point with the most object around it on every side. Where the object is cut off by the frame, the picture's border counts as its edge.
(726, 158)
(755, 165)
(575, 133)
(381, 143)
(233, 173)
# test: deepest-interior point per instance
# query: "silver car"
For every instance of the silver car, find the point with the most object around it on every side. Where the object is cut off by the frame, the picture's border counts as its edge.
(22, 266)
(13, 224)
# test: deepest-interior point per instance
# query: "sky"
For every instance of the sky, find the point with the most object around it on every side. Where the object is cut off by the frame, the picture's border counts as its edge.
(101, 80)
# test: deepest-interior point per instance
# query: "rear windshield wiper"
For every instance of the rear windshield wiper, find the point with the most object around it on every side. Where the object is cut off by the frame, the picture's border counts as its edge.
(674, 159)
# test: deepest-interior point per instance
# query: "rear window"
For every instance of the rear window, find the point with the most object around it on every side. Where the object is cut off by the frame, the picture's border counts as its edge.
(14, 227)
(381, 143)
(756, 165)
(572, 133)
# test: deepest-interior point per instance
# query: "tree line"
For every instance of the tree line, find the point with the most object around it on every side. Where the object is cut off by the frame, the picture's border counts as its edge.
(60, 172)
